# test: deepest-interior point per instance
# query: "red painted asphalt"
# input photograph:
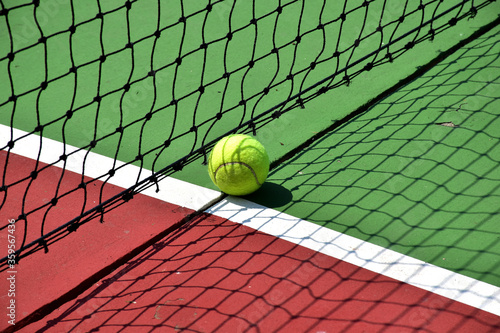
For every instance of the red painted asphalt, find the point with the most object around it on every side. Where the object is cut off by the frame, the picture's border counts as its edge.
(211, 275)
(42, 278)
(216, 275)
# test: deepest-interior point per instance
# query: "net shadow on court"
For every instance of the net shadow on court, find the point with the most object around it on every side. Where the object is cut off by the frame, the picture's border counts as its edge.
(419, 172)
(218, 281)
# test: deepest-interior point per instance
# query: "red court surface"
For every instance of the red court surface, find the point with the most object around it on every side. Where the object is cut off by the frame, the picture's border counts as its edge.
(218, 276)
(211, 275)
(72, 261)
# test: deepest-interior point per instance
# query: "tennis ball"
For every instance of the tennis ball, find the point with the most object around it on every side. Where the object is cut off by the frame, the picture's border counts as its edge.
(238, 164)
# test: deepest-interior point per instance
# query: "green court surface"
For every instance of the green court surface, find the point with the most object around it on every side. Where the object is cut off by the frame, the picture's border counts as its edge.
(118, 72)
(401, 177)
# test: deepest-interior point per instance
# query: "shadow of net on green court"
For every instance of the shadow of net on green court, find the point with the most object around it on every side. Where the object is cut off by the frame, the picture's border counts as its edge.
(419, 172)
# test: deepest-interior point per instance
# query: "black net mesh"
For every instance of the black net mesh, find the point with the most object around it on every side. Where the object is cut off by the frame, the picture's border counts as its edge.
(169, 79)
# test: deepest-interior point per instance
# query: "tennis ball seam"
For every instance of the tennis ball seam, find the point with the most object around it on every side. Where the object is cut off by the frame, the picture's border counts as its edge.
(241, 163)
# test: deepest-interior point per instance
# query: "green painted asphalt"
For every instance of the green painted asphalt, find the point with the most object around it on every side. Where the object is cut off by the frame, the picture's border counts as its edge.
(294, 128)
(95, 90)
(401, 177)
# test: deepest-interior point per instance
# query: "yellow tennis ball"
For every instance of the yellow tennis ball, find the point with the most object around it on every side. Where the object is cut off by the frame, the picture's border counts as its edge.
(238, 164)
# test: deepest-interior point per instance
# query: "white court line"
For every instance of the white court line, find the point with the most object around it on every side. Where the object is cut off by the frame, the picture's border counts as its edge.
(360, 253)
(171, 190)
(380, 260)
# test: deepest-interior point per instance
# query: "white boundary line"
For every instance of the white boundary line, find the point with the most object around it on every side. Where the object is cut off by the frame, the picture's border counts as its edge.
(185, 194)
(360, 253)
(349, 249)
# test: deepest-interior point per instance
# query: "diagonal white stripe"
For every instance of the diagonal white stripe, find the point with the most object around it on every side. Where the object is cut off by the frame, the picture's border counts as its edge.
(174, 191)
(352, 250)
(360, 253)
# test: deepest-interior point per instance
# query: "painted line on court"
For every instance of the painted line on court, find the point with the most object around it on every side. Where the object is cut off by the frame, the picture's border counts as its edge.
(95, 165)
(352, 250)
(360, 253)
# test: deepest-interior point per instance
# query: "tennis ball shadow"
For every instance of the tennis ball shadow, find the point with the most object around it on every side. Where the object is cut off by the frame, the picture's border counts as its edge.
(271, 195)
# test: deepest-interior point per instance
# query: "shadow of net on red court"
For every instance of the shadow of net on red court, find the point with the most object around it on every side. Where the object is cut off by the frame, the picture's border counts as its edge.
(215, 276)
